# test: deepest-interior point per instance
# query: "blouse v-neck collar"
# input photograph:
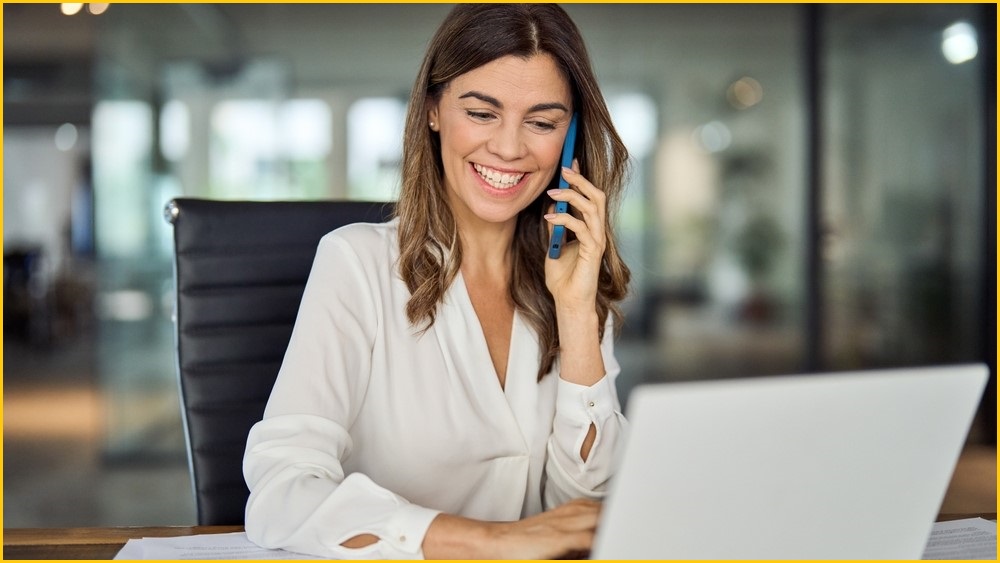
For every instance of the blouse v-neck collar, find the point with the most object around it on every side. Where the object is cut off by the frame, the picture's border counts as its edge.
(460, 335)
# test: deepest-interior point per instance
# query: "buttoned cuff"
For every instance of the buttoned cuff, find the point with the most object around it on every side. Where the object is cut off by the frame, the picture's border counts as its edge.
(403, 535)
(583, 404)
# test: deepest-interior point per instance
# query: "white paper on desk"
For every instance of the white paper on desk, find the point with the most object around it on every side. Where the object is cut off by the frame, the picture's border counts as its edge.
(972, 538)
(203, 546)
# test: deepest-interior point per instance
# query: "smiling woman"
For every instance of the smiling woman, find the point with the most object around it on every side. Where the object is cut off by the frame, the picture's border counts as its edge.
(500, 142)
(470, 39)
(501, 128)
(449, 391)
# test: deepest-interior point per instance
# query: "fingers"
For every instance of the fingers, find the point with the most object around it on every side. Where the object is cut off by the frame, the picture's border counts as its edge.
(578, 515)
(574, 516)
(565, 531)
(590, 204)
(585, 195)
(574, 525)
(581, 504)
(589, 230)
(577, 522)
(578, 181)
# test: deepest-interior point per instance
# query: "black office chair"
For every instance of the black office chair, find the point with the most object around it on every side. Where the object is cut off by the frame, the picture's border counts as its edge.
(240, 268)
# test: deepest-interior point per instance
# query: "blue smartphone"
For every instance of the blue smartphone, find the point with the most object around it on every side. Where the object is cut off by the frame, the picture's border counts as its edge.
(559, 232)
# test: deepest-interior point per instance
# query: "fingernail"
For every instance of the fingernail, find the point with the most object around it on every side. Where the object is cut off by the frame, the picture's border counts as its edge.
(554, 191)
(549, 215)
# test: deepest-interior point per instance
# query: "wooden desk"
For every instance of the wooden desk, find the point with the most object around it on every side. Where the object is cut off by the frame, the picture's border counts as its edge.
(88, 543)
(104, 543)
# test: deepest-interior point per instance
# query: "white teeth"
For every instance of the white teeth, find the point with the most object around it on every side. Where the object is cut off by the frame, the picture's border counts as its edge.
(498, 179)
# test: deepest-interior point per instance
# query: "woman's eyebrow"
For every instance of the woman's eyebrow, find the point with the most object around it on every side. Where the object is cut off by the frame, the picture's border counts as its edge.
(497, 104)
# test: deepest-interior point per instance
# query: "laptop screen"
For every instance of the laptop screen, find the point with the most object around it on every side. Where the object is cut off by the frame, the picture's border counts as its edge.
(840, 465)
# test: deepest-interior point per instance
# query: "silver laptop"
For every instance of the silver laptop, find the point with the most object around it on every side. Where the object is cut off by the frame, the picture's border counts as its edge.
(829, 466)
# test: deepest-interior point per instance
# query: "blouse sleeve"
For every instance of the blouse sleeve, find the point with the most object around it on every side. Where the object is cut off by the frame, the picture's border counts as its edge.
(568, 476)
(300, 498)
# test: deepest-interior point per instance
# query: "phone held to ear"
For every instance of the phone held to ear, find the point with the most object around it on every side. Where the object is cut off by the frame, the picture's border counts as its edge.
(559, 231)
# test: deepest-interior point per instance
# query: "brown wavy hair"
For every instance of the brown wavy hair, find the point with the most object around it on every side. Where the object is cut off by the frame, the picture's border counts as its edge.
(473, 35)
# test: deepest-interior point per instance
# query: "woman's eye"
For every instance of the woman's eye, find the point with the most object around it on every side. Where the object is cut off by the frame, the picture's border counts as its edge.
(543, 125)
(482, 115)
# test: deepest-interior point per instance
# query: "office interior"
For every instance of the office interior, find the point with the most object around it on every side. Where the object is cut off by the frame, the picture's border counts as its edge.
(812, 190)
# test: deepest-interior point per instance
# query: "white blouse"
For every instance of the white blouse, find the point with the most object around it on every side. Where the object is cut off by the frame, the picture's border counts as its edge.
(374, 427)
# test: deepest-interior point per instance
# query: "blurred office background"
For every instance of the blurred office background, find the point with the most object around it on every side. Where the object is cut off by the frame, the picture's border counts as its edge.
(813, 189)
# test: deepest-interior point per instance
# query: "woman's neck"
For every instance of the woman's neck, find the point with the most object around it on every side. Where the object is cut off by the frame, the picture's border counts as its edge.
(486, 248)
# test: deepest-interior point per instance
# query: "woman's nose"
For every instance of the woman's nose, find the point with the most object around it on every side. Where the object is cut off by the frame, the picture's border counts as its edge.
(506, 142)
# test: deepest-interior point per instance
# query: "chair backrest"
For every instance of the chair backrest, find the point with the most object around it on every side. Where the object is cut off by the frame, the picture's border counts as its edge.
(240, 268)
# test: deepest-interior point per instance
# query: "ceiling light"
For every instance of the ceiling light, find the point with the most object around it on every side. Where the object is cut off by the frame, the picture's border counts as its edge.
(744, 93)
(70, 8)
(959, 43)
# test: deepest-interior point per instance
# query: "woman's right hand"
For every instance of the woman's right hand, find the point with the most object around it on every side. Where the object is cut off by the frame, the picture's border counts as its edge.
(565, 532)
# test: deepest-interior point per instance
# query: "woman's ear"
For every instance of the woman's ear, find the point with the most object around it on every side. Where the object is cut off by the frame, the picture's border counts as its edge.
(432, 118)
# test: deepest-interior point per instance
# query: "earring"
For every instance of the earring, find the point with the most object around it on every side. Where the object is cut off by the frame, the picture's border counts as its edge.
(432, 124)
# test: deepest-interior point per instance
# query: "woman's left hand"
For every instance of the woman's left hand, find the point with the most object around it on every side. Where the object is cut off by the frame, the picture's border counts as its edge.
(572, 278)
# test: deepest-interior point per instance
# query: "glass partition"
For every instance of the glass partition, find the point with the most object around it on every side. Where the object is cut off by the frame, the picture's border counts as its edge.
(902, 187)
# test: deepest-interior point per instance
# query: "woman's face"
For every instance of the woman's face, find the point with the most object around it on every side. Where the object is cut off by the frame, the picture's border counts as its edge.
(502, 127)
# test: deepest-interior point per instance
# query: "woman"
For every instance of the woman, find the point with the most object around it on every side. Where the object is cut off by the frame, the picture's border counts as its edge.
(448, 390)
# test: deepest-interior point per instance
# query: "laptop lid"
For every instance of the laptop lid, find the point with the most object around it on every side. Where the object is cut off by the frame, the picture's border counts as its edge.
(842, 465)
